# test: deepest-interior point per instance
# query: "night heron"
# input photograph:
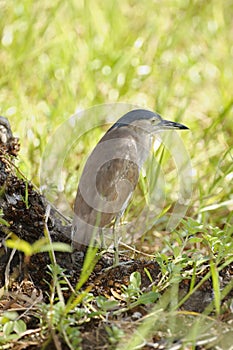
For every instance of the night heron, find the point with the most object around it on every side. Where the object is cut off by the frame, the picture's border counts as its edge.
(111, 174)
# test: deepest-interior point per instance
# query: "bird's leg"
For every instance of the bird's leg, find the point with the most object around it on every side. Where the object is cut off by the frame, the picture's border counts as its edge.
(115, 233)
(102, 239)
(116, 238)
(116, 245)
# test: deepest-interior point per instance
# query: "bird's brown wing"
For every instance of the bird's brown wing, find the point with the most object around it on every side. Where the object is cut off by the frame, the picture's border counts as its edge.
(108, 179)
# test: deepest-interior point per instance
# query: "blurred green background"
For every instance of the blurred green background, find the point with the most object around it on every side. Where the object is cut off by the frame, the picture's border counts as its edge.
(174, 57)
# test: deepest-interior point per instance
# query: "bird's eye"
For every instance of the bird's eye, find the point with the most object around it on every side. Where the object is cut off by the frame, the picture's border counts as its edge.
(153, 120)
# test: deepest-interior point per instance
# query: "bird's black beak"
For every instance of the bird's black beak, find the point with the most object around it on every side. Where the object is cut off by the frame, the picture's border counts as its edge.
(167, 124)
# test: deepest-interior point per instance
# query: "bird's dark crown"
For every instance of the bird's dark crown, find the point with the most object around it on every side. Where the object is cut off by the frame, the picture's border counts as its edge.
(136, 114)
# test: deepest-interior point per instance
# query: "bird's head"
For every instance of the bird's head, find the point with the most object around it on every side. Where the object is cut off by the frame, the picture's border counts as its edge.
(148, 121)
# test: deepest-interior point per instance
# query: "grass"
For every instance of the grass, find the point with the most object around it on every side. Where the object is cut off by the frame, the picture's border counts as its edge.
(174, 57)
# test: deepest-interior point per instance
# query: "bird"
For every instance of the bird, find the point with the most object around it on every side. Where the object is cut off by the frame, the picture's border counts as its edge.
(111, 173)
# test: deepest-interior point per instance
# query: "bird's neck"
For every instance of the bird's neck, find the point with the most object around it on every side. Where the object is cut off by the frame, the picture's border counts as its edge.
(144, 142)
